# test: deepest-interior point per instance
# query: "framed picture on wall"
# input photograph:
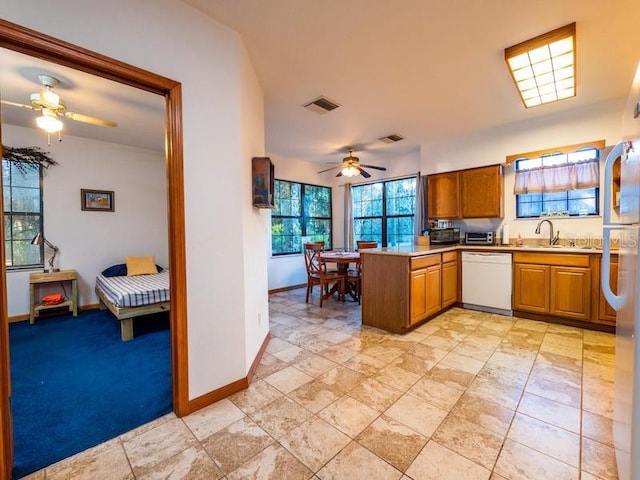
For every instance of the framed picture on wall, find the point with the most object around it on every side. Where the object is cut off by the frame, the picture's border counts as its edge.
(96, 200)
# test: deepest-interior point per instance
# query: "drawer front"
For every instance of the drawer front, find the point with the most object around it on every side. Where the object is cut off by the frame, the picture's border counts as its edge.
(425, 261)
(560, 259)
(449, 257)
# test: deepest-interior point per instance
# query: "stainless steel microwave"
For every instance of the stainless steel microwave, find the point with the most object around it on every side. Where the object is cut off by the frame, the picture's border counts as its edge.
(444, 236)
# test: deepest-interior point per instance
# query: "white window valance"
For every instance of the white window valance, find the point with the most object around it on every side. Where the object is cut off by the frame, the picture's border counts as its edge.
(558, 178)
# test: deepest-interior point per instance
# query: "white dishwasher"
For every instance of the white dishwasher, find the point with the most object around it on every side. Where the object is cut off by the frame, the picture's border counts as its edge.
(486, 281)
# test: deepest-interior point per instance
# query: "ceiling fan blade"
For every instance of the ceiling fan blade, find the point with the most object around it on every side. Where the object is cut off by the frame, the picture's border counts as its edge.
(364, 173)
(339, 174)
(21, 105)
(332, 168)
(375, 167)
(78, 117)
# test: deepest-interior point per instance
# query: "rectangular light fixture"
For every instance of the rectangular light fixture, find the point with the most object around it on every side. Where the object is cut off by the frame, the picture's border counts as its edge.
(544, 68)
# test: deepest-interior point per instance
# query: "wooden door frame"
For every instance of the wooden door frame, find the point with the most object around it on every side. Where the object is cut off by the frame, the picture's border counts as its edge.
(17, 38)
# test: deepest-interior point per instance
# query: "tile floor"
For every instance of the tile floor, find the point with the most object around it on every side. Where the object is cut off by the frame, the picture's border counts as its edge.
(468, 395)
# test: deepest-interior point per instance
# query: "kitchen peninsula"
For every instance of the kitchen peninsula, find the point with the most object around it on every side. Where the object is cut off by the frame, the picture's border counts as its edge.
(404, 286)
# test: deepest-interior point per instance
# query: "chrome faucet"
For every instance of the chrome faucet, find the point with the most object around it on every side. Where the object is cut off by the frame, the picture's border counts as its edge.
(552, 240)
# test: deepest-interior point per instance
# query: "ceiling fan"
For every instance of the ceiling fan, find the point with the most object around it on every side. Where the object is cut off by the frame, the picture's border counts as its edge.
(50, 104)
(351, 167)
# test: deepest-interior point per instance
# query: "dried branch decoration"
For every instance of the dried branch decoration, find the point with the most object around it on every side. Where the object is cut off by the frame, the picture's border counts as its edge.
(27, 158)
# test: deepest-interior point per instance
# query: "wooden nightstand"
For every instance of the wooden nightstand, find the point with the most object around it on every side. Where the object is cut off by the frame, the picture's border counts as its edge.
(50, 277)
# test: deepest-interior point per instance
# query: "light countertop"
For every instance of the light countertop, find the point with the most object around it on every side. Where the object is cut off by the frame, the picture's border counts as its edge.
(417, 250)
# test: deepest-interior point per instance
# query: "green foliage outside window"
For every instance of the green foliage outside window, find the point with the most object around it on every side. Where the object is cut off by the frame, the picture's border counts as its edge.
(22, 197)
(300, 210)
(384, 211)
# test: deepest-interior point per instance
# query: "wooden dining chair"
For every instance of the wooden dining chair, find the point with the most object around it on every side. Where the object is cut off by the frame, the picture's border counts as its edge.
(354, 275)
(317, 273)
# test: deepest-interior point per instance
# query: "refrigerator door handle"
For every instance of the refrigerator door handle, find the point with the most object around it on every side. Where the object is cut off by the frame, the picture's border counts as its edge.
(615, 152)
(616, 301)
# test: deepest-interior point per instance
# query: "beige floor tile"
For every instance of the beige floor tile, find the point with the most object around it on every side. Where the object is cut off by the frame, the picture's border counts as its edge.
(314, 344)
(213, 418)
(268, 365)
(375, 394)
(433, 391)
(349, 415)
(272, 463)
(396, 377)
(463, 363)
(420, 416)
(315, 442)
(414, 364)
(509, 396)
(440, 342)
(103, 462)
(599, 459)
(277, 344)
(237, 443)
(470, 440)
(147, 426)
(365, 364)
(554, 390)
(315, 396)
(401, 341)
(545, 438)
(338, 353)
(288, 379)
(597, 428)
(520, 360)
(483, 412)
(292, 354)
(192, 463)
(428, 352)
(598, 403)
(356, 462)
(334, 336)
(450, 376)
(467, 349)
(503, 375)
(155, 446)
(549, 411)
(315, 365)
(392, 441)
(279, 418)
(436, 462)
(518, 462)
(258, 395)
(382, 353)
(342, 379)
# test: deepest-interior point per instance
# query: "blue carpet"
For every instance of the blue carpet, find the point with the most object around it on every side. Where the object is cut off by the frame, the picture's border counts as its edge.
(75, 384)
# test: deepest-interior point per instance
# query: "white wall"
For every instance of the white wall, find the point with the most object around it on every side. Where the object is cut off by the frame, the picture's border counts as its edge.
(172, 39)
(91, 241)
(289, 270)
(602, 121)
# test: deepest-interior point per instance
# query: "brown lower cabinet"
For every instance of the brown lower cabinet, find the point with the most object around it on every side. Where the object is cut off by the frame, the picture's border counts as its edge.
(400, 291)
(556, 285)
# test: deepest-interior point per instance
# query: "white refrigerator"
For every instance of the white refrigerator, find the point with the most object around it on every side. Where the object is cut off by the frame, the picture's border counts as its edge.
(626, 422)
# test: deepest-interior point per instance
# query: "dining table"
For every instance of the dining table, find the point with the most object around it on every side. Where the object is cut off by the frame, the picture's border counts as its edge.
(342, 261)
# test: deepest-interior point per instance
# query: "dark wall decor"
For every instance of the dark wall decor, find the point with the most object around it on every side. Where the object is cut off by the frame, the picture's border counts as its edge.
(263, 178)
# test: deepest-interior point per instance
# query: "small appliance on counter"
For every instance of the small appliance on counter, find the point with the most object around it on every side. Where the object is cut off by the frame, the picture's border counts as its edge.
(479, 238)
(444, 236)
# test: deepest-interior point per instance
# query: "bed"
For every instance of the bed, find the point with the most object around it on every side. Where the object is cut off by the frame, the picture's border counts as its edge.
(130, 297)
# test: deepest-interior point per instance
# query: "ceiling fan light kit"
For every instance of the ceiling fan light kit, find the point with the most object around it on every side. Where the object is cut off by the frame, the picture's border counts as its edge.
(48, 102)
(351, 167)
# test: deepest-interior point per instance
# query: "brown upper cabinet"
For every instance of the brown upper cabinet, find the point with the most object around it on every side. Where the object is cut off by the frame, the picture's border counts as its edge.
(481, 192)
(471, 193)
(443, 191)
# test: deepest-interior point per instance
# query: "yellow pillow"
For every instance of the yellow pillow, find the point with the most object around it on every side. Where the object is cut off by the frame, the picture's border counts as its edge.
(140, 265)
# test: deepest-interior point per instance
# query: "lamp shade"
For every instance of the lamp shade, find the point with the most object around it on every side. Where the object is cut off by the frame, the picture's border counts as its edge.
(38, 239)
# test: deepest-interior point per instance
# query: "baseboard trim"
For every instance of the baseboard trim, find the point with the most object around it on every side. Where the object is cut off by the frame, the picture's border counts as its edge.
(285, 289)
(25, 316)
(227, 390)
(19, 318)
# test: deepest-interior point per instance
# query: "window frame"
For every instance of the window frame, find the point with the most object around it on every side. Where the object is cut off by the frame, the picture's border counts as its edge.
(8, 213)
(384, 217)
(566, 153)
(303, 218)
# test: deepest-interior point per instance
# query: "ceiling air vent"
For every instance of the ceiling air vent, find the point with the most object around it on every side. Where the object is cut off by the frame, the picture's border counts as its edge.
(321, 105)
(393, 138)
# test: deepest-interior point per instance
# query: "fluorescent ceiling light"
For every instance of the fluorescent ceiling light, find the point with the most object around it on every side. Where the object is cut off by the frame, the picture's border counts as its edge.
(544, 68)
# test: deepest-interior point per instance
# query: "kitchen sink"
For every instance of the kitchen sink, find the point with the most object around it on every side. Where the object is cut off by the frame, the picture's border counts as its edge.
(559, 246)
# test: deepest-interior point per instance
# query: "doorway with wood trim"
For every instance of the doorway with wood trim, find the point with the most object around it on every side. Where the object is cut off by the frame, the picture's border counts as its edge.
(20, 39)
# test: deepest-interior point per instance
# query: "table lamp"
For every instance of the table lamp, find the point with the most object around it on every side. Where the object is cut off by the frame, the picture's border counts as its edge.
(39, 240)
